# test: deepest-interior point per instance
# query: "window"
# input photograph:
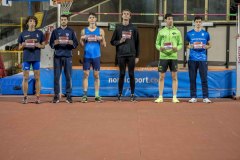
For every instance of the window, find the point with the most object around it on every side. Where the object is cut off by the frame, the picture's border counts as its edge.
(84, 17)
(233, 9)
(195, 7)
(176, 7)
(217, 8)
(110, 7)
(141, 6)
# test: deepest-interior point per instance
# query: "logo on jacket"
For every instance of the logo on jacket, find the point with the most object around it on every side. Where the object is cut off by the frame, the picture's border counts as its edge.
(67, 34)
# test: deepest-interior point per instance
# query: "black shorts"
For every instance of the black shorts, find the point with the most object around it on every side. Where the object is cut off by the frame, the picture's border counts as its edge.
(165, 63)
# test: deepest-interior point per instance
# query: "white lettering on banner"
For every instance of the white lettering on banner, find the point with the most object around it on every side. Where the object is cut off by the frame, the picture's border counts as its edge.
(137, 80)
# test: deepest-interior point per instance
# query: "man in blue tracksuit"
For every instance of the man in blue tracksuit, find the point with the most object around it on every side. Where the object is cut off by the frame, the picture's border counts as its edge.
(198, 41)
(63, 40)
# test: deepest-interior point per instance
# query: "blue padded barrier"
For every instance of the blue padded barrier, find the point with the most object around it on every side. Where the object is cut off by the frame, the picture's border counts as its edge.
(221, 83)
(12, 85)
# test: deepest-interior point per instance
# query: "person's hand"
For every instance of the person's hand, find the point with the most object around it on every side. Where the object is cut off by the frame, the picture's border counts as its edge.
(190, 46)
(136, 60)
(70, 42)
(123, 39)
(38, 45)
(23, 44)
(104, 44)
(162, 49)
(99, 38)
(84, 37)
(56, 42)
(174, 49)
(206, 46)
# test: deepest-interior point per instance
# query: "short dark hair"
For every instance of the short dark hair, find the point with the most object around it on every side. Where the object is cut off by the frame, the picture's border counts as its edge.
(32, 17)
(92, 14)
(64, 15)
(127, 10)
(168, 15)
(198, 18)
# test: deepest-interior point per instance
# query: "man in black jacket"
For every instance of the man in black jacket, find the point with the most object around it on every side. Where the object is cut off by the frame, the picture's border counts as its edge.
(126, 40)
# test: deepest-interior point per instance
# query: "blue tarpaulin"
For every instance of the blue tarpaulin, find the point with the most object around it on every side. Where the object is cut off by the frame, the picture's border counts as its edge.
(221, 83)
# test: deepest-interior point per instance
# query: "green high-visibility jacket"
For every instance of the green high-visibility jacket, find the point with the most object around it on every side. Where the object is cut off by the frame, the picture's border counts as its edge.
(169, 35)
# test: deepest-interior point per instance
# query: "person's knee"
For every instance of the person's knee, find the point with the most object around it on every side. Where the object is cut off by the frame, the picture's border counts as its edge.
(131, 75)
(121, 74)
(162, 77)
(96, 76)
(37, 75)
(86, 75)
(174, 78)
(25, 76)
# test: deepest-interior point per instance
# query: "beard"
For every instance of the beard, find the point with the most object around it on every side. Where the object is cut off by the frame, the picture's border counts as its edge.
(64, 24)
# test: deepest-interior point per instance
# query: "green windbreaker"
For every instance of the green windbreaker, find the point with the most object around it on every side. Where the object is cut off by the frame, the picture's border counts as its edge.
(166, 35)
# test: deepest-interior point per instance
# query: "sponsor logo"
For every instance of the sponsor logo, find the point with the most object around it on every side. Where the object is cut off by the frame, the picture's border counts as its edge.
(142, 80)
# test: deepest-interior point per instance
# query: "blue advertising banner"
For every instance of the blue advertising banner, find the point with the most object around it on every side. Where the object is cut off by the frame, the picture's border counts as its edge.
(221, 83)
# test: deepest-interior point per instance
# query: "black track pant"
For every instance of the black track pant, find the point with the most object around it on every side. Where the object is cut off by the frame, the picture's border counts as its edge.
(122, 63)
(202, 67)
(66, 63)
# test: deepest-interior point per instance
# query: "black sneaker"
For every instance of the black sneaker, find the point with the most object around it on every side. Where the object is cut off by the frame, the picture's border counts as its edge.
(69, 99)
(132, 98)
(55, 99)
(25, 100)
(98, 99)
(119, 97)
(84, 99)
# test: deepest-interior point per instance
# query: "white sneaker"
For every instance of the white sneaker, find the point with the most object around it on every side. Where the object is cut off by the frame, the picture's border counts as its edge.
(159, 100)
(193, 100)
(206, 100)
(175, 100)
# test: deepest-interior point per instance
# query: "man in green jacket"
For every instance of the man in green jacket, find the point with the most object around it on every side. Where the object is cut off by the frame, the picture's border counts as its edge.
(168, 42)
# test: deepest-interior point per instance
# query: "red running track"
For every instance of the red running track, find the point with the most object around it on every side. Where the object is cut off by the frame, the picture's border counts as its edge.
(119, 131)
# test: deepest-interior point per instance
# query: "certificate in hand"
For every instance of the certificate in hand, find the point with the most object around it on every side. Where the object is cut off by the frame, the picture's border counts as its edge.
(30, 43)
(91, 38)
(126, 34)
(197, 45)
(63, 40)
(168, 45)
